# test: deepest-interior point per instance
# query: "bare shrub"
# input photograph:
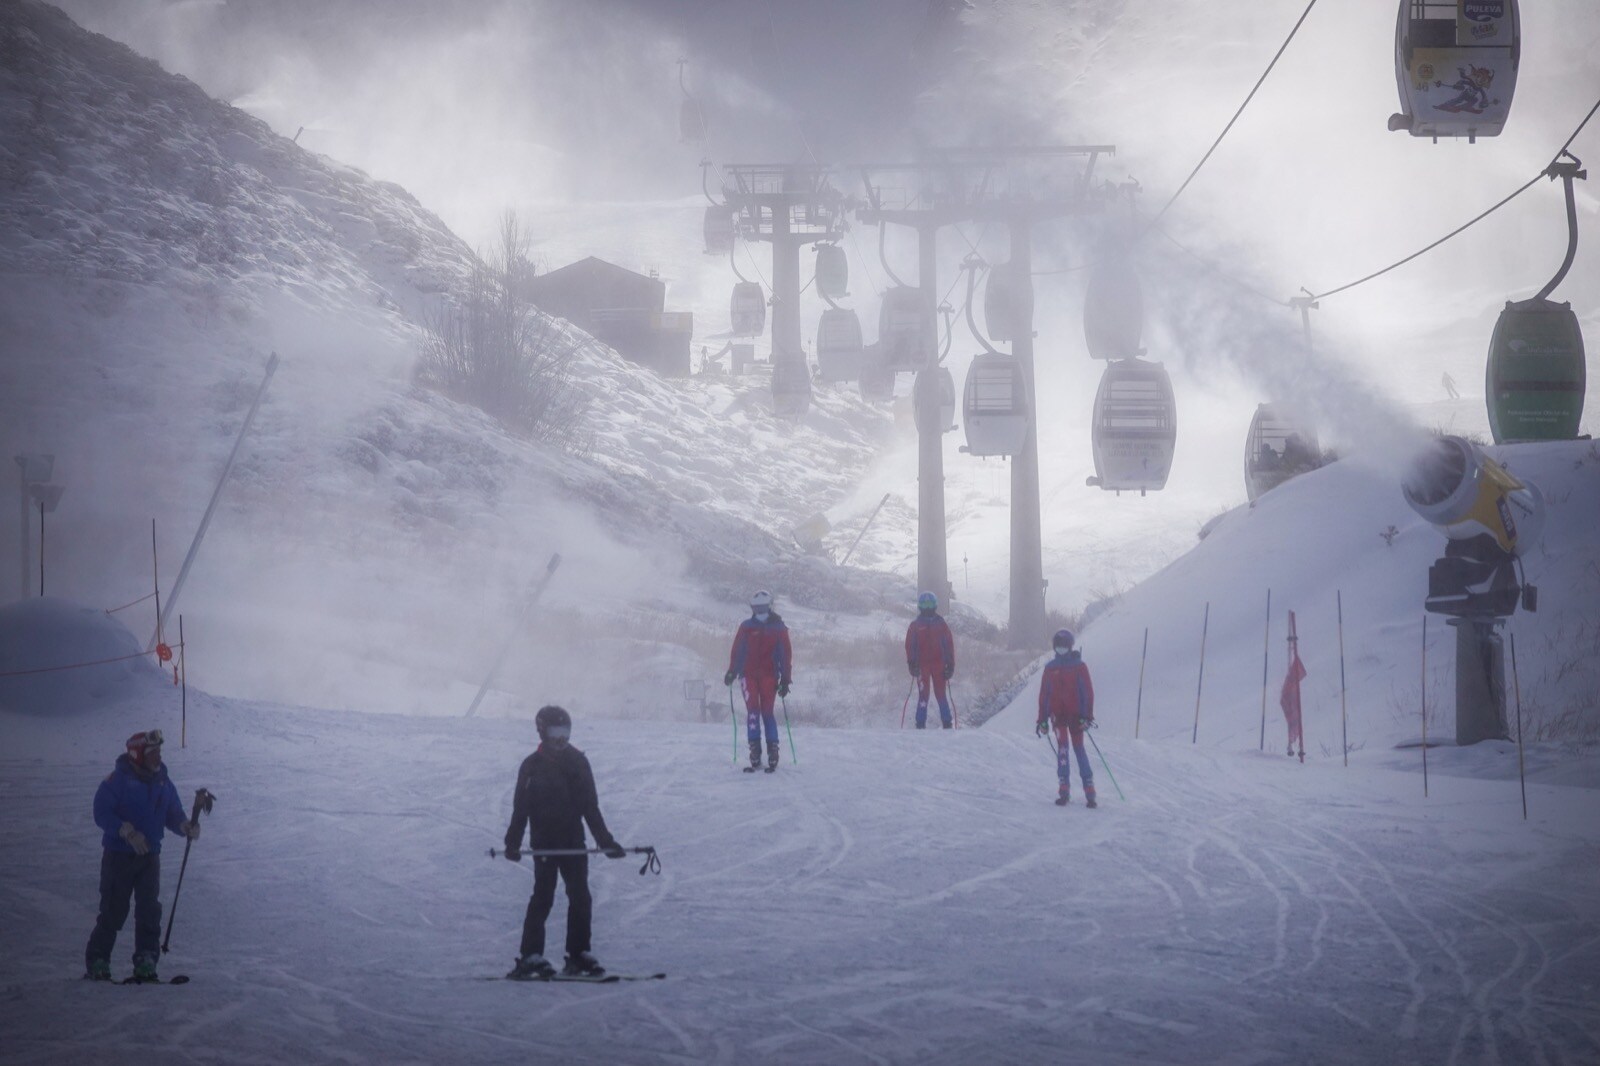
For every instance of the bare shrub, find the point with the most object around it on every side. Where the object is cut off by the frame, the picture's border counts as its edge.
(491, 348)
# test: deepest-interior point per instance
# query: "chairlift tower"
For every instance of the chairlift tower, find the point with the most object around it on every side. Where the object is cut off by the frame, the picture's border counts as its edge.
(1018, 187)
(788, 206)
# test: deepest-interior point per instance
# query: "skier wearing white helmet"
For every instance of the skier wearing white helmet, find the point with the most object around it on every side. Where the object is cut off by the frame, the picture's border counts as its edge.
(762, 657)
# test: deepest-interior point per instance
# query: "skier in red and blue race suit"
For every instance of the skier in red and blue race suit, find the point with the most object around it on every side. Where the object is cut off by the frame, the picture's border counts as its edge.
(762, 657)
(931, 658)
(1066, 701)
(133, 807)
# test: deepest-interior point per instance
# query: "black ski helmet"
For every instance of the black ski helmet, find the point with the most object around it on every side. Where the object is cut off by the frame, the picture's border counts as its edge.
(553, 722)
(1063, 639)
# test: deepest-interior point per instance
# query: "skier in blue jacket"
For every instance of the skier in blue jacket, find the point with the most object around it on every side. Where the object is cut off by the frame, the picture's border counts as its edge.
(134, 806)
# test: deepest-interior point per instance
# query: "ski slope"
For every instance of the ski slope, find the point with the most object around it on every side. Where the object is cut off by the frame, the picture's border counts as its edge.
(889, 897)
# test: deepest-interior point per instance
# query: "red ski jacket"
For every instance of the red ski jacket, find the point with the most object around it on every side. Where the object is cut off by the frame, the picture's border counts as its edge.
(1066, 695)
(761, 649)
(929, 646)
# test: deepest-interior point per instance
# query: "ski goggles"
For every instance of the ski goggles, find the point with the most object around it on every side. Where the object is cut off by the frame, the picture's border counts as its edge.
(558, 732)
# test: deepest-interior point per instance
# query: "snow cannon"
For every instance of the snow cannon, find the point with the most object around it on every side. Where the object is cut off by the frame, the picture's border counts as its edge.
(1466, 495)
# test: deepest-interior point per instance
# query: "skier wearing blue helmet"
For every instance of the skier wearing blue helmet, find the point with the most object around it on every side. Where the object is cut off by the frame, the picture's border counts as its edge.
(931, 658)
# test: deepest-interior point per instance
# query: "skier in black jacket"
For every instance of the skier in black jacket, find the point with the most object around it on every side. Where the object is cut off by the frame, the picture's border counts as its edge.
(555, 796)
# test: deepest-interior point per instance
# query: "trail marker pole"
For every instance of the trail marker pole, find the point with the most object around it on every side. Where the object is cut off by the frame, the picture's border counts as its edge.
(1344, 726)
(1516, 686)
(1425, 706)
(1266, 637)
(1138, 706)
(522, 613)
(1194, 738)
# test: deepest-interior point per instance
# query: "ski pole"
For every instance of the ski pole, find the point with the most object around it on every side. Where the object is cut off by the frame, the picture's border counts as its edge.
(906, 703)
(652, 864)
(955, 713)
(735, 716)
(1107, 765)
(785, 701)
(202, 805)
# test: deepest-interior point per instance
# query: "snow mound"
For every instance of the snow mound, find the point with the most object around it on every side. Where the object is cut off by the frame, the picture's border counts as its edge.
(47, 646)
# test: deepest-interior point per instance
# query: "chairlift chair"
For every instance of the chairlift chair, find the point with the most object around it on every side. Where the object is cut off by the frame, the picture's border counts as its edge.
(907, 337)
(839, 345)
(1007, 303)
(994, 406)
(1535, 378)
(748, 309)
(1113, 309)
(1276, 449)
(1455, 62)
(877, 379)
(1135, 427)
(833, 271)
(791, 388)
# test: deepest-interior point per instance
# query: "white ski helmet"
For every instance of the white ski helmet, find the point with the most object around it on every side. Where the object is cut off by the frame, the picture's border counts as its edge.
(761, 601)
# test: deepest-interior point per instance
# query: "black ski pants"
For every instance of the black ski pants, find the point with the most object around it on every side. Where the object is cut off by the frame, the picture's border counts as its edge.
(125, 876)
(574, 872)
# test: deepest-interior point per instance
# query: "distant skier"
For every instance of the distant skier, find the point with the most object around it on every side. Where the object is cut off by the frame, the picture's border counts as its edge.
(134, 806)
(555, 795)
(931, 658)
(762, 657)
(1066, 701)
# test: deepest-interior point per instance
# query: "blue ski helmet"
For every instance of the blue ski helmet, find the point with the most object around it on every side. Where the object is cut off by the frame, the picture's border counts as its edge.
(1063, 639)
(927, 602)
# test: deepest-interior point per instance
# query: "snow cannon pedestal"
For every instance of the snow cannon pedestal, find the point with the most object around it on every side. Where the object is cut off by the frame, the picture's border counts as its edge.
(1480, 681)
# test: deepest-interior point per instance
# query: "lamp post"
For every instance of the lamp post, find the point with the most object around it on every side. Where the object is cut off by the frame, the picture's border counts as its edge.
(34, 468)
(46, 496)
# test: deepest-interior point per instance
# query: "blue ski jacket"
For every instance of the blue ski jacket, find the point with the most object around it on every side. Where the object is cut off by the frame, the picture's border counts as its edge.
(148, 800)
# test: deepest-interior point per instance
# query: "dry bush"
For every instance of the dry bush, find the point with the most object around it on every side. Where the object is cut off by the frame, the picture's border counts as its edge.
(491, 348)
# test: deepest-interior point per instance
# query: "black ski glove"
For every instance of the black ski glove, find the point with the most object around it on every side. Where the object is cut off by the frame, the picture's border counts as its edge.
(614, 850)
(728, 678)
(513, 852)
(783, 688)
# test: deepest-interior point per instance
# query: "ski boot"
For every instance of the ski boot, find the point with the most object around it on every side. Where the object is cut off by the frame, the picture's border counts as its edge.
(582, 964)
(1064, 797)
(144, 970)
(947, 725)
(97, 970)
(1088, 800)
(772, 756)
(532, 967)
(755, 757)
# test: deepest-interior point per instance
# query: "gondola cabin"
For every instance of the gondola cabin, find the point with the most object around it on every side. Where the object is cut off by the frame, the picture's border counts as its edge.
(877, 380)
(935, 396)
(906, 332)
(839, 345)
(1113, 310)
(833, 271)
(1276, 449)
(748, 309)
(1456, 65)
(791, 388)
(1536, 378)
(994, 406)
(1135, 427)
(1007, 303)
(719, 230)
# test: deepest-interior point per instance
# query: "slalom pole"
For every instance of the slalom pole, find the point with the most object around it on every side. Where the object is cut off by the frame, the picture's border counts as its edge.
(735, 716)
(1425, 706)
(1107, 765)
(183, 674)
(1516, 687)
(792, 756)
(1138, 706)
(1266, 638)
(202, 805)
(907, 702)
(1344, 721)
(1194, 737)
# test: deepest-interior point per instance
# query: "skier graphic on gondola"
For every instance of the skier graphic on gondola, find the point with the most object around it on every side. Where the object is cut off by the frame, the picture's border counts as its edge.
(1472, 91)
